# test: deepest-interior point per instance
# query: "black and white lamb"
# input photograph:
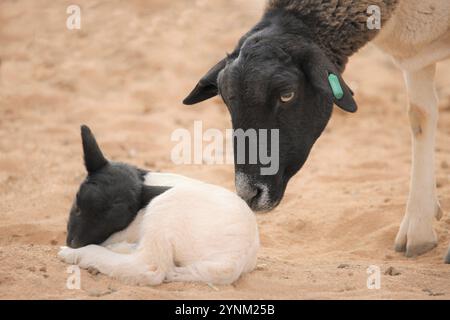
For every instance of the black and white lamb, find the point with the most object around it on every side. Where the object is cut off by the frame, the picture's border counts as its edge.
(145, 228)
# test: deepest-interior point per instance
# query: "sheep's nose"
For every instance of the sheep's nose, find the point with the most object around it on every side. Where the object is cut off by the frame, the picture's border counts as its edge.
(254, 194)
(247, 193)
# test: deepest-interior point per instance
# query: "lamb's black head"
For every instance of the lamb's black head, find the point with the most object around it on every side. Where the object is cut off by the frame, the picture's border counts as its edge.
(275, 80)
(107, 200)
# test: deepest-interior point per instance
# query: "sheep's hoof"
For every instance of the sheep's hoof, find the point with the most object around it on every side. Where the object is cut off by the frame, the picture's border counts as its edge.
(415, 237)
(417, 250)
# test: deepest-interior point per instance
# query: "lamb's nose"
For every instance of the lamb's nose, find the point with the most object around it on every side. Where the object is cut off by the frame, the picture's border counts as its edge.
(72, 242)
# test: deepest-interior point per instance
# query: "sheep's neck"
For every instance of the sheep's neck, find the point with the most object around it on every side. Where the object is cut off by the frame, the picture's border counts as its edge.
(338, 26)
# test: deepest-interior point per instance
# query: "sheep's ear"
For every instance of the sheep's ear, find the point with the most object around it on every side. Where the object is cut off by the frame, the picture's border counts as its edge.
(325, 77)
(93, 156)
(207, 86)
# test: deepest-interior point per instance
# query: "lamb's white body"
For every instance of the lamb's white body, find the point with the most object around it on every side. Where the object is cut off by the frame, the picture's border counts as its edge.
(193, 232)
(417, 37)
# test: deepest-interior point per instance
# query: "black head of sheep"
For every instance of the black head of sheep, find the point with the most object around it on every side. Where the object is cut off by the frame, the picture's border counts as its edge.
(276, 78)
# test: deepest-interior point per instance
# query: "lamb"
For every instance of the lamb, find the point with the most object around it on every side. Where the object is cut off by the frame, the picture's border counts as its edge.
(145, 228)
(286, 73)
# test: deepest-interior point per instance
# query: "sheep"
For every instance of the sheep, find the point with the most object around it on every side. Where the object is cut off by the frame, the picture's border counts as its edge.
(145, 228)
(285, 73)
(447, 258)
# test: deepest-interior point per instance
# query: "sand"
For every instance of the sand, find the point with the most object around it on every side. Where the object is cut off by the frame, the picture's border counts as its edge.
(124, 74)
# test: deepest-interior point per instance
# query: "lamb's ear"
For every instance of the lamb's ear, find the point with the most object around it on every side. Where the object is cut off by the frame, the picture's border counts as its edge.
(150, 192)
(325, 77)
(207, 86)
(93, 157)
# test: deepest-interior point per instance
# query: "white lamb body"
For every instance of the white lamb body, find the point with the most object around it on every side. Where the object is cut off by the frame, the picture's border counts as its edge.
(193, 232)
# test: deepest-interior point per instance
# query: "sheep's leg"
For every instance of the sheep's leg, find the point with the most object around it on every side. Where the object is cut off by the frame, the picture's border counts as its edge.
(214, 272)
(447, 258)
(129, 268)
(416, 235)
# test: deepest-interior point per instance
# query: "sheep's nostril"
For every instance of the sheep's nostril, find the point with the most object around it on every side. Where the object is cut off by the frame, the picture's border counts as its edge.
(257, 200)
(248, 194)
(254, 202)
(256, 194)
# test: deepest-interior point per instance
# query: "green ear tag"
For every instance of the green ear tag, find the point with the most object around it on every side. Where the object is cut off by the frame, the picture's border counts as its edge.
(335, 86)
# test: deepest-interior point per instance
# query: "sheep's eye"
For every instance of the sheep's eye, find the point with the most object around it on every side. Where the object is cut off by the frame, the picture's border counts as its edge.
(286, 97)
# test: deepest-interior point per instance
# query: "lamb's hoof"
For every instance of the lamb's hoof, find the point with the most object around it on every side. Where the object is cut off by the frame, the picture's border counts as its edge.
(172, 277)
(68, 255)
(153, 277)
(415, 238)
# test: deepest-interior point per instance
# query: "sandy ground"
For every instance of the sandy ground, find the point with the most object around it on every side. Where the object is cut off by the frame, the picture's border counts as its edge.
(124, 73)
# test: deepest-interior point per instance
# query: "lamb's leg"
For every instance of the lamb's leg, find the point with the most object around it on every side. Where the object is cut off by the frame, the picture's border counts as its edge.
(129, 268)
(447, 258)
(122, 247)
(416, 235)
